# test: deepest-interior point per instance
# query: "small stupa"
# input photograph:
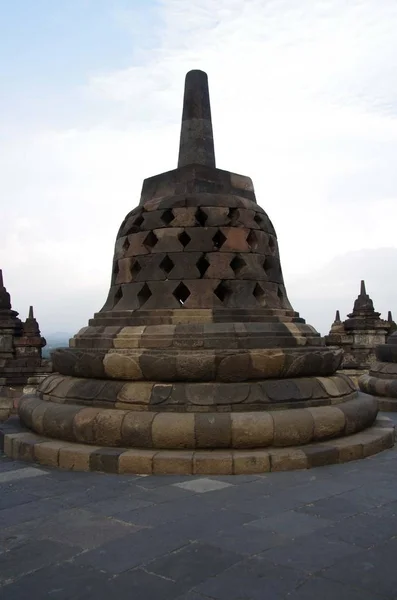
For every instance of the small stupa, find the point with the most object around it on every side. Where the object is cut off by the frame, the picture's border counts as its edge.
(381, 381)
(21, 362)
(197, 362)
(358, 335)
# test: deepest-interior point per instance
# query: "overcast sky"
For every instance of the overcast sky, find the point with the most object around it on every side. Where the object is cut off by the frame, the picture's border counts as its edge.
(304, 101)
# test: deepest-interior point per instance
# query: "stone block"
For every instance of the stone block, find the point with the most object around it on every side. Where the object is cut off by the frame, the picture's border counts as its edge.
(136, 429)
(287, 459)
(47, 453)
(84, 425)
(292, 427)
(107, 427)
(173, 463)
(213, 430)
(329, 422)
(213, 462)
(121, 366)
(250, 462)
(139, 462)
(252, 429)
(76, 457)
(173, 430)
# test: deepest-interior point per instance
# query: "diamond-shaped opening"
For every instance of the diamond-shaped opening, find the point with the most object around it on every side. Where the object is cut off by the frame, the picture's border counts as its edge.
(168, 216)
(181, 293)
(258, 219)
(126, 244)
(202, 264)
(201, 217)
(232, 215)
(150, 240)
(135, 268)
(115, 270)
(138, 221)
(118, 295)
(267, 264)
(167, 264)
(252, 240)
(219, 239)
(272, 243)
(222, 291)
(237, 263)
(259, 295)
(144, 295)
(280, 293)
(184, 238)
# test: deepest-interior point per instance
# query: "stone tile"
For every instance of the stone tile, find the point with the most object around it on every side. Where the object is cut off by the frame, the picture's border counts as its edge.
(254, 578)
(30, 511)
(13, 497)
(334, 508)
(33, 556)
(203, 485)
(23, 473)
(78, 527)
(317, 587)
(136, 584)
(60, 582)
(375, 569)
(291, 523)
(193, 564)
(245, 539)
(310, 553)
(116, 506)
(134, 550)
(364, 530)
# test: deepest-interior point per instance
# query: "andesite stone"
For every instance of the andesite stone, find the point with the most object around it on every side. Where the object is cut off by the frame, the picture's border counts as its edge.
(197, 341)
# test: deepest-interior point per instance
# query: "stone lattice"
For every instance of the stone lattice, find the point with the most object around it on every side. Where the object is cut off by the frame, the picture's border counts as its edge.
(197, 349)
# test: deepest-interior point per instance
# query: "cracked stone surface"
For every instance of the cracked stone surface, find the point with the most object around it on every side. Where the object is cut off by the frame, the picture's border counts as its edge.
(328, 532)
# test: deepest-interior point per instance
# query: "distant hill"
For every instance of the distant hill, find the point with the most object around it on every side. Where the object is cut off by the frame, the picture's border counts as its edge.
(56, 340)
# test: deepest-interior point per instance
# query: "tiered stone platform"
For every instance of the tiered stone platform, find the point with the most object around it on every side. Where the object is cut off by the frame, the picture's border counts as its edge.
(197, 362)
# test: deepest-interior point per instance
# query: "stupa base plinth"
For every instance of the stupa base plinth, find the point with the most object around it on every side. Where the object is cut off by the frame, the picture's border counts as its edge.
(21, 444)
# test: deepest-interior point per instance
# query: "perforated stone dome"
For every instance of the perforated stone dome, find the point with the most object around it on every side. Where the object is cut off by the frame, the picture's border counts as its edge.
(197, 347)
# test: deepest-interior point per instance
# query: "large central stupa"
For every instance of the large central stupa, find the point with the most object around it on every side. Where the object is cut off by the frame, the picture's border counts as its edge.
(197, 362)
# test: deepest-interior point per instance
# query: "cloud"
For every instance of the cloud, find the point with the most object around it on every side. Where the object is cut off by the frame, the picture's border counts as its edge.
(304, 101)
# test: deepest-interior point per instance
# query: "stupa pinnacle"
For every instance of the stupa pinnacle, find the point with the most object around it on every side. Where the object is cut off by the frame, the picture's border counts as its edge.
(197, 362)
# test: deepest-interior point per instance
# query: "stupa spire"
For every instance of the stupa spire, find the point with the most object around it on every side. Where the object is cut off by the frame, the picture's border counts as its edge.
(337, 317)
(30, 315)
(1, 279)
(362, 288)
(390, 317)
(197, 140)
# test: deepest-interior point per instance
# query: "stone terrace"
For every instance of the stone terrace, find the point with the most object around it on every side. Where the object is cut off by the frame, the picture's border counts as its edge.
(328, 532)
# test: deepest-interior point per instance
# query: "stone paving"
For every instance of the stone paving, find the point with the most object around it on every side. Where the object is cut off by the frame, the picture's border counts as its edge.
(328, 532)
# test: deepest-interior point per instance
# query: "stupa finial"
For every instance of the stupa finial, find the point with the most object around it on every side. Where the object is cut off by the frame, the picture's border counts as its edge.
(1, 279)
(197, 140)
(390, 317)
(31, 315)
(362, 288)
(337, 316)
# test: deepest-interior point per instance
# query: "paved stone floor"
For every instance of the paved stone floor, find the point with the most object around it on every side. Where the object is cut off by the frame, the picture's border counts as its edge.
(328, 533)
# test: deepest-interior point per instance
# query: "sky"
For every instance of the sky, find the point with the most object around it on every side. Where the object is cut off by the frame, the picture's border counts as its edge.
(304, 101)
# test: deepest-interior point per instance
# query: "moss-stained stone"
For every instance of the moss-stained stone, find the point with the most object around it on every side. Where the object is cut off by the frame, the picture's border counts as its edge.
(173, 430)
(234, 367)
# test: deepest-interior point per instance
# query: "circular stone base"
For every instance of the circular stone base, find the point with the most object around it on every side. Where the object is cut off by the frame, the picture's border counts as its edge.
(379, 386)
(387, 404)
(23, 445)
